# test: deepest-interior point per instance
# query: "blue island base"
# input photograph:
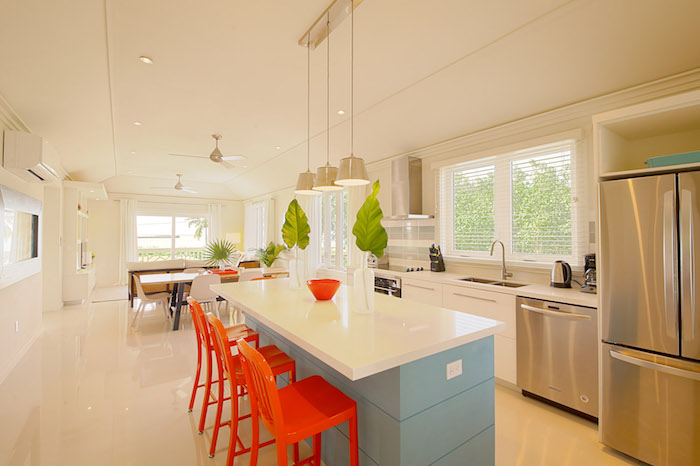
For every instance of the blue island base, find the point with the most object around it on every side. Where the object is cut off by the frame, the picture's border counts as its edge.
(410, 415)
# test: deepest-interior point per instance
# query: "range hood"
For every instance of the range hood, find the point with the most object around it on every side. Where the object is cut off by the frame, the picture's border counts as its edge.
(407, 189)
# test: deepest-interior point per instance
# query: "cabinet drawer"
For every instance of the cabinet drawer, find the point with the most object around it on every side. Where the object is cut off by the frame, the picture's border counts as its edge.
(497, 306)
(422, 291)
(505, 356)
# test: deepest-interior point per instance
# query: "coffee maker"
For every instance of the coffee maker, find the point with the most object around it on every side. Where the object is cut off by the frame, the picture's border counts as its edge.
(589, 274)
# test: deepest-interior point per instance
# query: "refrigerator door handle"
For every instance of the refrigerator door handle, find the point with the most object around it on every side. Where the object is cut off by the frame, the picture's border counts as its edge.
(549, 312)
(655, 366)
(670, 264)
(687, 256)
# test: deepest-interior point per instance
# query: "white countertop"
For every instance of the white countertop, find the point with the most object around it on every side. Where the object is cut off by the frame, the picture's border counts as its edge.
(562, 295)
(356, 345)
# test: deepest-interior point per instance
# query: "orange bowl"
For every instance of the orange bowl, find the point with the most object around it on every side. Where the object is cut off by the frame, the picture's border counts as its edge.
(323, 289)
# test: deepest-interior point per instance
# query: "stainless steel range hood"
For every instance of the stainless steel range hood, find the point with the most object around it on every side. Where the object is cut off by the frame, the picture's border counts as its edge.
(407, 189)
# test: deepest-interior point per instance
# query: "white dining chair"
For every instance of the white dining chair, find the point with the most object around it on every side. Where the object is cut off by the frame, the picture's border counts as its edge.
(146, 299)
(195, 270)
(246, 275)
(202, 293)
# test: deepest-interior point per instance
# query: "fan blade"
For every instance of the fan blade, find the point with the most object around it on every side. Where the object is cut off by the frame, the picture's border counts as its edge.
(234, 157)
(154, 187)
(188, 190)
(226, 164)
(191, 156)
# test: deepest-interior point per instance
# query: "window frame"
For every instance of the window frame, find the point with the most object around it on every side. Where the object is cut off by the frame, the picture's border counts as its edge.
(335, 257)
(503, 203)
(173, 233)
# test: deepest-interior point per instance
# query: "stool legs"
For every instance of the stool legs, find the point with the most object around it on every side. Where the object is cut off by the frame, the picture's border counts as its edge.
(196, 385)
(207, 394)
(352, 427)
(317, 449)
(219, 410)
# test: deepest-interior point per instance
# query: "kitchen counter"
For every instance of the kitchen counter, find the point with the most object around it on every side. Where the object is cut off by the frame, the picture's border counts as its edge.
(394, 363)
(356, 345)
(563, 295)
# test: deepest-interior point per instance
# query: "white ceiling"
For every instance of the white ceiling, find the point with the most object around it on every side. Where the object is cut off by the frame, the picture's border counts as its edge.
(424, 71)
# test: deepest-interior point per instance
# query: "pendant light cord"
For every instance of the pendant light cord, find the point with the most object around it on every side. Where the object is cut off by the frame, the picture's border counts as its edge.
(328, 89)
(352, 77)
(308, 103)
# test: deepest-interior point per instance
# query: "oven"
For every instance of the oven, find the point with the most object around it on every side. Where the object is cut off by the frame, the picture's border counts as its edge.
(388, 285)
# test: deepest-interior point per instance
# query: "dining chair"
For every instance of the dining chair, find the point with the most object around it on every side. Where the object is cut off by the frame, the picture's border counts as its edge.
(201, 292)
(145, 300)
(195, 270)
(248, 275)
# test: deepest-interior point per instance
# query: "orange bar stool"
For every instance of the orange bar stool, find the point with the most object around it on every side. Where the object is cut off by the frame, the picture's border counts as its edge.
(205, 344)
(295, 412)
(279, 363)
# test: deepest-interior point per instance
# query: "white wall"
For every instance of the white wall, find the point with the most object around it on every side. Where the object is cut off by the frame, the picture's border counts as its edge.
(52, 252)
(20, 302)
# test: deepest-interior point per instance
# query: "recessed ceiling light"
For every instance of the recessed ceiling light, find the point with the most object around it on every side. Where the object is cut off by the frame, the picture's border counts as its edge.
(137, 123)
(133, 153)
(278, 147)
(146, 60)
(92, 191)
(341, 112)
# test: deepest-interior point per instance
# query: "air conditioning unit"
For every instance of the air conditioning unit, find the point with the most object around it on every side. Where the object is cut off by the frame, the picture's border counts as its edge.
(31, 158)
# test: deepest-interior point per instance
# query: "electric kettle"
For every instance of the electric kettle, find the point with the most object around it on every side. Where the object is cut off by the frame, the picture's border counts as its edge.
(561, 275)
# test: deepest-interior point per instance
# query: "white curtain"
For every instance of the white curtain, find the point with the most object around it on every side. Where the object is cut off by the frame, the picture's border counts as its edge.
(127, 243)
(215, 230)
(259, 227)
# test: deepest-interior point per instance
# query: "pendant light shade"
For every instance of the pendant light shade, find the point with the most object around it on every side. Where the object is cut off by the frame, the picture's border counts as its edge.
(325, 178)
(305, 181)
(352, 170)
(326, 175)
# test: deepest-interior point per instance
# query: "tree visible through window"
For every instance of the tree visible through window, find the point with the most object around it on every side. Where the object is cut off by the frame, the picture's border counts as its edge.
(473, 207)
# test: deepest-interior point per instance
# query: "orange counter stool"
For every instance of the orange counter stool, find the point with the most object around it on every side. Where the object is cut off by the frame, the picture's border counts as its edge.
(295, 412)
(205, 344)
(232, 370)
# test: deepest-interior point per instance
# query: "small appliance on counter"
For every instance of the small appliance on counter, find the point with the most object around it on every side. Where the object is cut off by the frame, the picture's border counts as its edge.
(561, 275)
(373, 262)
(437, 264)
(590, 285)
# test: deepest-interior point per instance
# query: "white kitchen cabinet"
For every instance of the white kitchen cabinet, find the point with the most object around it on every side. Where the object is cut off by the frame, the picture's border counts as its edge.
(493, 305)
(422, 291)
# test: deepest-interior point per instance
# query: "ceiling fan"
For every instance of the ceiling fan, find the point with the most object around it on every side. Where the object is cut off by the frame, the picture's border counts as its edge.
(216, 155)
(179, 186)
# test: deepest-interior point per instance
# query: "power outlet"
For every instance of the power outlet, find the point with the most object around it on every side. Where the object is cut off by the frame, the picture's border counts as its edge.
(454, 369)
(16, 326)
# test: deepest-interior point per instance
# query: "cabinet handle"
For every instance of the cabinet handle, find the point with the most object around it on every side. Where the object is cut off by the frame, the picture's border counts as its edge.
(474, 297)
(418, 286)
(549, 312)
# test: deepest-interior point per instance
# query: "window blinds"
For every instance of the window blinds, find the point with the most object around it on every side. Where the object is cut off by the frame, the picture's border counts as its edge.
(529, 199)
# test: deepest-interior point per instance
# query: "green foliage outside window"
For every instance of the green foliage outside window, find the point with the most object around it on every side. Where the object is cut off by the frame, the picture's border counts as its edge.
(473, 209)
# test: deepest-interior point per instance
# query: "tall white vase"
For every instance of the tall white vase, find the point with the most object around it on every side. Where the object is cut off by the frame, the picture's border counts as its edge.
(363, 287)
(297, 270)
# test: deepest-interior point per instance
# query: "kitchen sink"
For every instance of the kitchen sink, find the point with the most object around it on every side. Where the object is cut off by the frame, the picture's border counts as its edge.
(489, 281)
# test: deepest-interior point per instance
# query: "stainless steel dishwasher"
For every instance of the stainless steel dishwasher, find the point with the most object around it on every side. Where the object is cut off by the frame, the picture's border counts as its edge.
(558, 353)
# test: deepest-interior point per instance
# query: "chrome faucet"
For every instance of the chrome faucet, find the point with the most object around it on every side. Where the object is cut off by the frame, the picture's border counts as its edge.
(504, 273)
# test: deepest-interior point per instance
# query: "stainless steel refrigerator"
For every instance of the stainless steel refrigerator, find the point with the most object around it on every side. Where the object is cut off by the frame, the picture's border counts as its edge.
(650, 397)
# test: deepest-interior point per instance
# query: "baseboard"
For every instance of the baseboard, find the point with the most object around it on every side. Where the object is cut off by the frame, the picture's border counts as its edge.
(505, 383)
(18, 357)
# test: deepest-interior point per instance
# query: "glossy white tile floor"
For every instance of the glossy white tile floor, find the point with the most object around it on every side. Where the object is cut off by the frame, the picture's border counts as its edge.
(93, 392)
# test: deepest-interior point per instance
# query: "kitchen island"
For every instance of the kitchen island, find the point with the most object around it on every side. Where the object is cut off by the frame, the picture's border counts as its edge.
(394, 363)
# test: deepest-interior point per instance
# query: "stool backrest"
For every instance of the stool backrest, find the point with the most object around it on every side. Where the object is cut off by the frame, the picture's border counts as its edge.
(201, 328)
(200, 287)
(222, 348)
(262, 388)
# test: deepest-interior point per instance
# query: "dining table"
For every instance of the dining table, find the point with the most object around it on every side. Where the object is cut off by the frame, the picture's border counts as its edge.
(178, 280)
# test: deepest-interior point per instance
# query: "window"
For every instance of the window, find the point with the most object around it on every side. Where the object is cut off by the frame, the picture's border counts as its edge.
(160, 237)
(255, 225)
(334, 241)
(527, 199)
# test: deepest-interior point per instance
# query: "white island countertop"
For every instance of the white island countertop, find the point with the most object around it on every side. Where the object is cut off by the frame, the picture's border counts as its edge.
(400, 331)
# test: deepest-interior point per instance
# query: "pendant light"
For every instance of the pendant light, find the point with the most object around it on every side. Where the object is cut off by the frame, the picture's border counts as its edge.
(305, 181)
(326, 175)
(352, 171)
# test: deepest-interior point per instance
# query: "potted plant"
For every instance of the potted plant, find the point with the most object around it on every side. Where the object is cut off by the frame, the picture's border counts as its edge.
(268, 255)
(371, 237)
(219, 253)
(295, 233)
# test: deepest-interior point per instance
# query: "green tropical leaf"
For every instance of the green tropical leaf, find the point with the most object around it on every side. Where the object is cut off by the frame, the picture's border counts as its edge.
(218, 253)
(268, 254)
(296, 229)
(371, 235)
